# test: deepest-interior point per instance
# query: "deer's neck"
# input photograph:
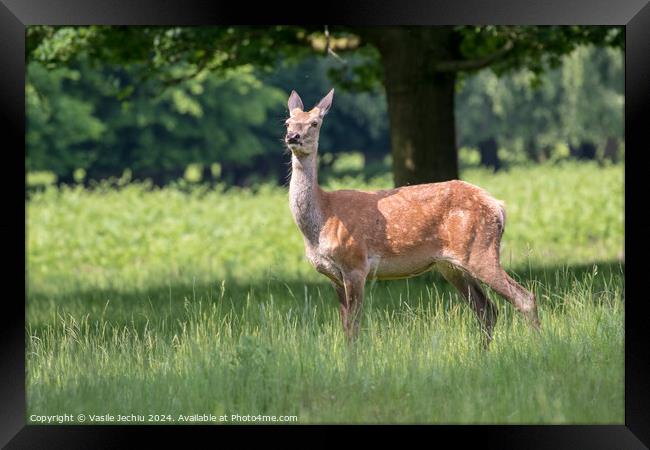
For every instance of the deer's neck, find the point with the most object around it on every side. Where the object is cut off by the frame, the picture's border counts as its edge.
(305, 196)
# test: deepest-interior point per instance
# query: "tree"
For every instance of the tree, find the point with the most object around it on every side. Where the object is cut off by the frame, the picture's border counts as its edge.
(100, 120)
(483, 114)
(79, 119)
(578, 105)
(421, 66)
(592, 84)
(418, 66)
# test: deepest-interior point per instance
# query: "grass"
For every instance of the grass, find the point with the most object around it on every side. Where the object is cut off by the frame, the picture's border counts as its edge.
(194, 301)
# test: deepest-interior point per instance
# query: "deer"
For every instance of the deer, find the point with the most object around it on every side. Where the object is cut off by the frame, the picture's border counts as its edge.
(351, 236)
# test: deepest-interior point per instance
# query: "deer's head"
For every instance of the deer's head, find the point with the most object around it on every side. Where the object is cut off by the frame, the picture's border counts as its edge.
(303, 127)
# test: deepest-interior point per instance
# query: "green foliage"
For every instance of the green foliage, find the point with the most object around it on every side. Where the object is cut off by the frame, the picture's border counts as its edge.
(170, 54)
(359, 122)
(536, 48)
(97, 123)
(359, 72)
(59, 125)
(96, 118)
(155, 99)
(190, 49)
(580, 101)
(190, 300)
(593, 89)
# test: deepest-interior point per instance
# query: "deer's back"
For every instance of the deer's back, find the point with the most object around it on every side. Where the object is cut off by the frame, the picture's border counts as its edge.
(406, 230)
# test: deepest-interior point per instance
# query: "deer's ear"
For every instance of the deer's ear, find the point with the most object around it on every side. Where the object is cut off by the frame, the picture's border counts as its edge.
(326, 103)
(295, 102)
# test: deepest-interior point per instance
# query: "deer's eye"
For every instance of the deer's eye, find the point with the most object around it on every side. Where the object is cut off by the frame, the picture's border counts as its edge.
(314, 123)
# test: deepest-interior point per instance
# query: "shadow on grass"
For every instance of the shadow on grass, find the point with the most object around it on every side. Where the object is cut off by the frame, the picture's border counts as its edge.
(139, 308)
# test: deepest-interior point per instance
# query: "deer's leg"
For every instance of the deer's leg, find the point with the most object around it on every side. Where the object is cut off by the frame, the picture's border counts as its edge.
(343, 310)
(350, 302)
(485, 310)
(522, 299)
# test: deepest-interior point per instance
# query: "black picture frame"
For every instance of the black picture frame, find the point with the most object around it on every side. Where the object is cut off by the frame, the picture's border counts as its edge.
(15, 15)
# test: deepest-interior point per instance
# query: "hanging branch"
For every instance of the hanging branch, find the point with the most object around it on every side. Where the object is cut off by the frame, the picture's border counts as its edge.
(328, 48)
(473, 64)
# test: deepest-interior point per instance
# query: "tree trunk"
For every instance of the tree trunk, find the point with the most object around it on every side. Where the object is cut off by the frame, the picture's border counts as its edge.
(544, 154)
(95, 174)
(159, 177)
(206, 175)
(65, 179)
(531, 150)
(488, 149)
(584, 151)
(611, 149)
(420, 101)
(232, 174)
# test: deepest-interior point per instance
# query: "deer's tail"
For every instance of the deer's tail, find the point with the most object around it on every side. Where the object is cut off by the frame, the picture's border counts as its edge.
(502, 209)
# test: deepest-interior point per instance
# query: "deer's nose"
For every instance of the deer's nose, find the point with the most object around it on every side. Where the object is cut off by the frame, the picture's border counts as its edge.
(292, 138)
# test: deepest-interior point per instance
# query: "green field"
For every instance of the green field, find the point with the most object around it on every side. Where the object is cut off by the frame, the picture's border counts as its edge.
(189, 300)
